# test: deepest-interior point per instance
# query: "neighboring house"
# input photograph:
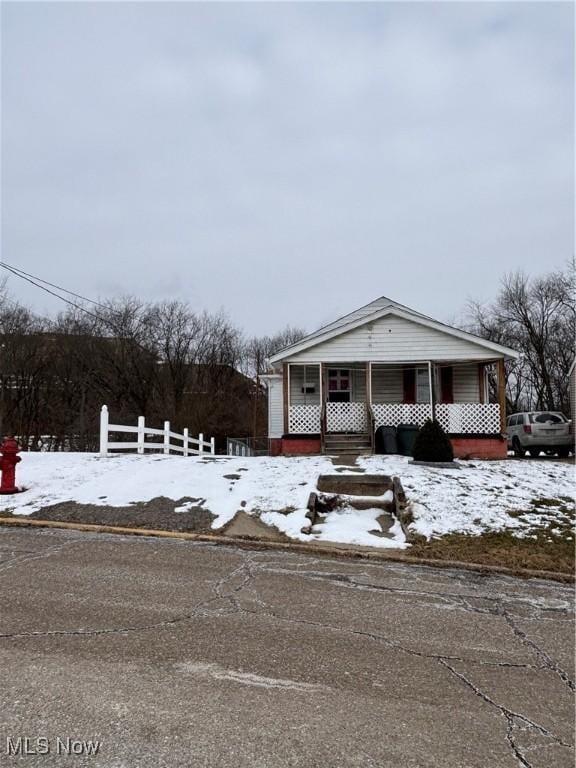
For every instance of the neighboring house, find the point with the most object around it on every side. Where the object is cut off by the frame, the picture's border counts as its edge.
(385, 364)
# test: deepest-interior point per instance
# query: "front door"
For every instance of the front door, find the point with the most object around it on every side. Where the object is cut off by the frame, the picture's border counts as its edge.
(339, 385)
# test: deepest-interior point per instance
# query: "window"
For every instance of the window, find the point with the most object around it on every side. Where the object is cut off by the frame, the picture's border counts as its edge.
(422, 386)
(339, 385)
(546, 418)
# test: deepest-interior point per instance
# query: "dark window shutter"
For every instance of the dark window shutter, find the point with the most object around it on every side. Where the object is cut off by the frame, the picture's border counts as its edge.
(447, 385)
(409, 384)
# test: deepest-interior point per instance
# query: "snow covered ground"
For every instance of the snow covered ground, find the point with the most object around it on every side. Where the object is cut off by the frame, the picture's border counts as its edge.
(480, 495)
(264, 484)
(476, 497)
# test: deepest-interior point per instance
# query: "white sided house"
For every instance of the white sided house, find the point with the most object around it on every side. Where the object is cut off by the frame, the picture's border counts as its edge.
(385, 364)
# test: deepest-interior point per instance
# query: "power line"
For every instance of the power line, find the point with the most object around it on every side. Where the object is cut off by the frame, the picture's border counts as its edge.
(21, 273)
(32, 279)
(52, 293)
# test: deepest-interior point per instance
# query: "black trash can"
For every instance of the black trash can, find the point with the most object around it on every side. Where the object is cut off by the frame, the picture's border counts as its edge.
(406, 434)
(386, 440)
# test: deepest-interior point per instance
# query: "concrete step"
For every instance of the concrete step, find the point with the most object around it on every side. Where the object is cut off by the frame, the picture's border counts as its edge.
(341, 445)
(356, 485)
(346, 435)
(347, 439)
(352, 440)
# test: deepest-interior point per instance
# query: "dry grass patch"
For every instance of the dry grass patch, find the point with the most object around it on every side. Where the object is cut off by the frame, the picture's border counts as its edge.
(545, 541)
(501, 548)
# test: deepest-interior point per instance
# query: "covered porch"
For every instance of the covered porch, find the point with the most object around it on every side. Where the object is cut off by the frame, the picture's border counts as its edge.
(334, 398)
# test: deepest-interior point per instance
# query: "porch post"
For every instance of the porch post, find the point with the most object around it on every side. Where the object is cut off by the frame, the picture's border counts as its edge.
(481, 382)
(285, 385)
(369, 383)
(501, 372)
(431, 386)
(321, 374)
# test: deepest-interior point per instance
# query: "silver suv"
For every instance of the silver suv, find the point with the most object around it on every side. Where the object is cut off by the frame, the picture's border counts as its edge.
(537, 431)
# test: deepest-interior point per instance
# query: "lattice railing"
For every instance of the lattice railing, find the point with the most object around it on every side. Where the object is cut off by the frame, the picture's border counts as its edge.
(477, 418)
(346, 417)
(392, 414)
(304, 419)
(455, 418)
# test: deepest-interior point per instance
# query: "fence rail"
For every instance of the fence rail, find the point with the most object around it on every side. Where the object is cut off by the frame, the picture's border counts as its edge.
(189, 446)
(248, 446)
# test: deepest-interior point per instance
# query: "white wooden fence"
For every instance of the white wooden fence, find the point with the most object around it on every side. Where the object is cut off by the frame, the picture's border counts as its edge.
(188, 446)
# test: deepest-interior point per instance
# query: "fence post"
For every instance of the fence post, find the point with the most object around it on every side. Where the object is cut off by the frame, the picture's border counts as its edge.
(213, 446)
(200, 444)
(140, 448)
(104, 431)
(166, 437)
(185, 441)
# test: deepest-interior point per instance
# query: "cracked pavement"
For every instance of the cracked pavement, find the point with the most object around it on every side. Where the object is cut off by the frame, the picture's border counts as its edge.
(175, 653)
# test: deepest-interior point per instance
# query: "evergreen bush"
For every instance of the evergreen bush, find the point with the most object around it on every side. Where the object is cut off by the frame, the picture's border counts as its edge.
(432, 444)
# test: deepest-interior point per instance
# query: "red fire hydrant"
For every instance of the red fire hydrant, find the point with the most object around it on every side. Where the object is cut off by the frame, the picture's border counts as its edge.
(9, 450)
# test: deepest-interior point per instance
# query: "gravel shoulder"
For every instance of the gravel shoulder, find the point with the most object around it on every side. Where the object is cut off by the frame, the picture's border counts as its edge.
(158, 514)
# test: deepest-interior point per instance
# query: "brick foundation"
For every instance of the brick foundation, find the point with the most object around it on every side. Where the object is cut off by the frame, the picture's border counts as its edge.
(300, 446)
(492, 447)
(275, 446)
(479, 447)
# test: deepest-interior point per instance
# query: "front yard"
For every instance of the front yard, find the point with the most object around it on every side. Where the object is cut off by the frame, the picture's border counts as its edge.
(508, 512)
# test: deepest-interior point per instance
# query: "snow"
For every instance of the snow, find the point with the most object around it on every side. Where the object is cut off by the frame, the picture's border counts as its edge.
(264, 483)
(354, 525)
(476, 497)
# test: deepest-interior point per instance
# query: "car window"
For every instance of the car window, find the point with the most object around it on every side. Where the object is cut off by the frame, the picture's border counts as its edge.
(516, 420)
(546, 418)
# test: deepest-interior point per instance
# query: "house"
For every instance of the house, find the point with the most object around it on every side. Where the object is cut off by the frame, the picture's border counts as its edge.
(385, 364)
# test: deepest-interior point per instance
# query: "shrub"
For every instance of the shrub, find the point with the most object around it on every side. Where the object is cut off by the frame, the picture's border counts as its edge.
(431, 443)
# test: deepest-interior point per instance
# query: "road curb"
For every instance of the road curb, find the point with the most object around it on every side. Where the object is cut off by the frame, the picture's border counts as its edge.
(396, 556)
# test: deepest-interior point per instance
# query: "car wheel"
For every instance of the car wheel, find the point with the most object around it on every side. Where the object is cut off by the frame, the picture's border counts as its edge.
(534, 452)
(519, 452)
(563, 452)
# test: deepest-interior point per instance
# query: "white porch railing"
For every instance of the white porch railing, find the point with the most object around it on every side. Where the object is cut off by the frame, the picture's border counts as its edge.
(189, 446)
(392, 414)
(346, 417)
(455, 418)
(304, 419)
(473, 418)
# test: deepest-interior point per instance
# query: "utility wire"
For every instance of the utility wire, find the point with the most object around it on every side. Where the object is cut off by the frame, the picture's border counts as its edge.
(52, 293)
(32, 279)
(21, 273)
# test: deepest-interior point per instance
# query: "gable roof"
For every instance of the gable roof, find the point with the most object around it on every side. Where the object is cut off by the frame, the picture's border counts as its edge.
(375, 310)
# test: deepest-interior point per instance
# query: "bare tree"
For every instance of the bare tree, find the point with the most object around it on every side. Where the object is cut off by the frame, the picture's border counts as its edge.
(256, 353)
(537, 317)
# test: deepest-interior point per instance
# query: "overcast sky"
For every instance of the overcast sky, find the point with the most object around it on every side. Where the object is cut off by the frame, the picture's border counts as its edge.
(287, 162)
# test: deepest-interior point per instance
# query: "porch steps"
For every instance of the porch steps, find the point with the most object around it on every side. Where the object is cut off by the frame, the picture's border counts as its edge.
(347, 443)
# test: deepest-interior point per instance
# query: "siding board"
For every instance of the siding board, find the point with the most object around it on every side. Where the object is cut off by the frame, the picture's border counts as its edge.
(275, 407)
(393, 339)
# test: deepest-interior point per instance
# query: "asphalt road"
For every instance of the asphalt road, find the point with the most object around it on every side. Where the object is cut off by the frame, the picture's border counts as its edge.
(184, 654)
